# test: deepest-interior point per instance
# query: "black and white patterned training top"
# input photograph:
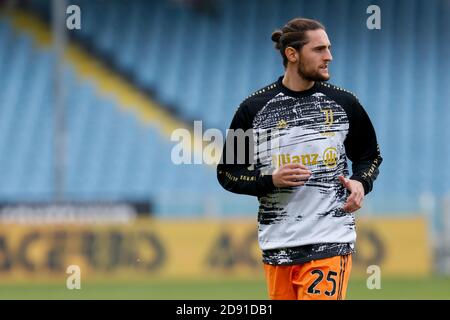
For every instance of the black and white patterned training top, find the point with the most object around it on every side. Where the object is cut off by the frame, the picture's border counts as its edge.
(321, 128)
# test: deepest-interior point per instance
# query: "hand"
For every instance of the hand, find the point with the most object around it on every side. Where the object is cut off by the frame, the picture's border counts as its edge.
(290, 175)
(354, 201)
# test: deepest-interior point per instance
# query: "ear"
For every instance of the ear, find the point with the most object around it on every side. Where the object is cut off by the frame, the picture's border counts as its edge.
(291, 54)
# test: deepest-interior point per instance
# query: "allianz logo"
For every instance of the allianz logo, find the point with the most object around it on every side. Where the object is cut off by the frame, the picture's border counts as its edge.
(329, 158)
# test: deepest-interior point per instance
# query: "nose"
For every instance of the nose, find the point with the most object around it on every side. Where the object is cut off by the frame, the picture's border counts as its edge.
(328, 56)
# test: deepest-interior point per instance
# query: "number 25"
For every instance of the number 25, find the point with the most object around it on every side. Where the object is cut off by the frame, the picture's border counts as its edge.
(312, 288)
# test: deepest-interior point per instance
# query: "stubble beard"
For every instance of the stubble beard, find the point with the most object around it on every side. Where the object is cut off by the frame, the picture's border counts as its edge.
(310, 75)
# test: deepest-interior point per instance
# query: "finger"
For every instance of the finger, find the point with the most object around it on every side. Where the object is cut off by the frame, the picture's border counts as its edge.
(350, 204)
(293, 183)
(358, 196)
(351, 207)
(295, 166)
(357, 205)
(347, 207)
(296, 171)
(296, 177)
(344, 181)
(351, 198)
(359, 201)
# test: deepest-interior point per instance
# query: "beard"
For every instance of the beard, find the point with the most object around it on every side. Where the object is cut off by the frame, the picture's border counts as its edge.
(310, 75)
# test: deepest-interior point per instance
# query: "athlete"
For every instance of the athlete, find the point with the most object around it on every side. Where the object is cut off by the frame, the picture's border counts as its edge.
(303, 130)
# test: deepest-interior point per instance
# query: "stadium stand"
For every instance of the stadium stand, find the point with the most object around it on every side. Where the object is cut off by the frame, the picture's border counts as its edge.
(200, 67)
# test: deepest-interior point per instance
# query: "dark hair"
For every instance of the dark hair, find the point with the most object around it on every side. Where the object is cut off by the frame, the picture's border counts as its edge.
(293, 34)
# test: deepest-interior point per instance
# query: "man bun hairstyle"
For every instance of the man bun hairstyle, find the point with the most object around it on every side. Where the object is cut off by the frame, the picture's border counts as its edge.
(293, 34)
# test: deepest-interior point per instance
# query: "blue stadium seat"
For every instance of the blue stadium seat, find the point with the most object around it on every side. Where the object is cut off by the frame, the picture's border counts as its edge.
(203, 67)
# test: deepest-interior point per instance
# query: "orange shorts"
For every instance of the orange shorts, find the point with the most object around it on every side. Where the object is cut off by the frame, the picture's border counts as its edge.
(323, 279)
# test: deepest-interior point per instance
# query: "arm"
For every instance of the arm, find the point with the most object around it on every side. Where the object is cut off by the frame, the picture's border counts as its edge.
(362, 148)
(235, 172)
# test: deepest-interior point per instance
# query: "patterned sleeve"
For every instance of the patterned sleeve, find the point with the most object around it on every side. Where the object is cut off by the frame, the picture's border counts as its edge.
(235, 172)
(362, 147)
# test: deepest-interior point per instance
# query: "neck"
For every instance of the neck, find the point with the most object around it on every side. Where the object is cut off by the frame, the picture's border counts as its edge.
(294, 82)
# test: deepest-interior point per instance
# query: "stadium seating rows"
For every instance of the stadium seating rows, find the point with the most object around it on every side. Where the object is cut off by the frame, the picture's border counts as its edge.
(111, 154)
(203, 66)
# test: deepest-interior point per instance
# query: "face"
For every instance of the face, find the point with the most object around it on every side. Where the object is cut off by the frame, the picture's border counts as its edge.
(315, 56)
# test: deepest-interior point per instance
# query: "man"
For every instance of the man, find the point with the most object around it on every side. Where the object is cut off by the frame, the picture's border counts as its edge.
(303, 131)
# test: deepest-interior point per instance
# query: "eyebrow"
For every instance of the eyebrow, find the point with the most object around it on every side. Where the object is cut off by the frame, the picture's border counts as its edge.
(322, 46)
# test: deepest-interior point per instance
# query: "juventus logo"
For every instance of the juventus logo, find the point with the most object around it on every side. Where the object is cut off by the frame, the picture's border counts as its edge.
(282, 124)
(330, 157)
(329, 119)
